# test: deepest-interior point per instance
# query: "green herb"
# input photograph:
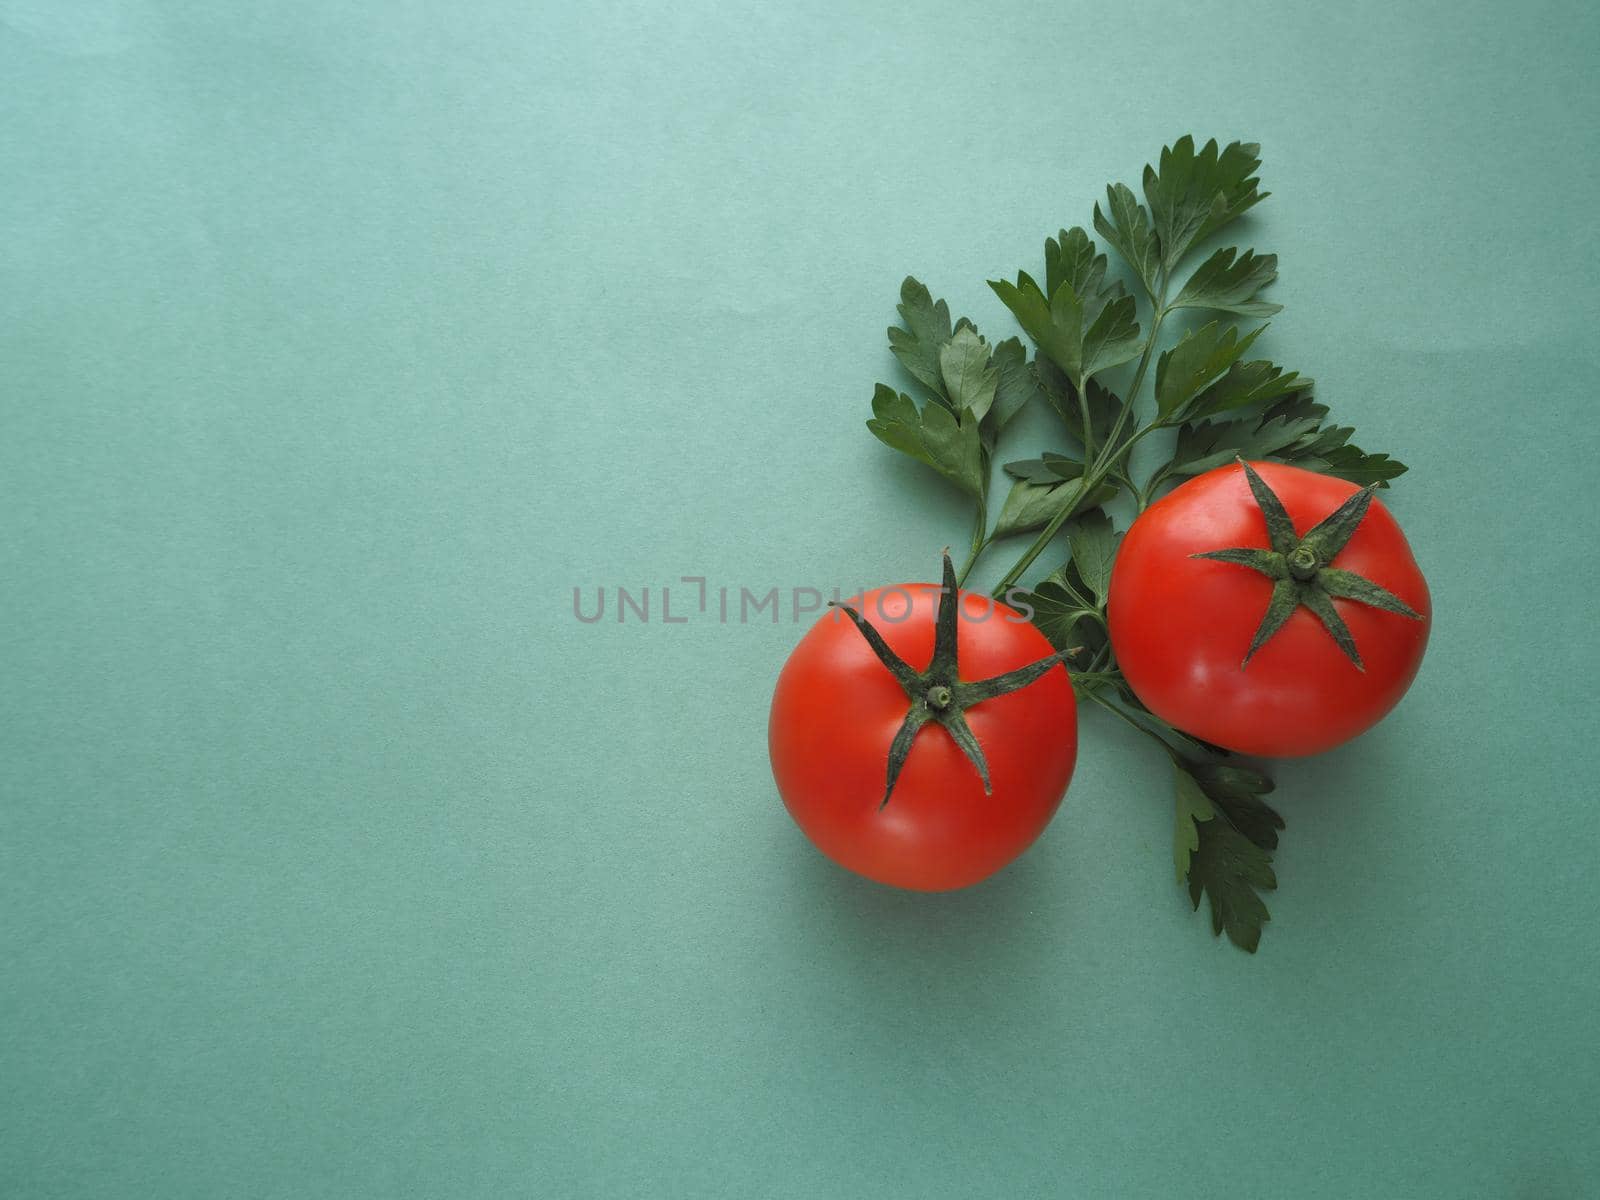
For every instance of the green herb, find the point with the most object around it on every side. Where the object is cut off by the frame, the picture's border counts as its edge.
(1213, 402)
(1220, 846)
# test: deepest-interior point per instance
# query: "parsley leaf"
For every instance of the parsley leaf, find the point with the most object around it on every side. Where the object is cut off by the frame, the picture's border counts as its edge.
(1049, 469)
(1205, 353)
(1081, 336)
(927, 329)
(1249, 383)
(958, 366)
(1356, 465)
(1206, 444)
(1064, 609)
(1112, 339)
(1063, 397)
(1082, 325)
(1128, 231)
(1070, 258)
(1325, 448)
(969, 379)
(1237, 791)
(1291, 431)
(1220, 861)
(1192, 809)
(1032, 506)
(1094, 546)
(1229, 284)
(1063, 618)
(1015, 383)
(1193, 195)
(935, 436)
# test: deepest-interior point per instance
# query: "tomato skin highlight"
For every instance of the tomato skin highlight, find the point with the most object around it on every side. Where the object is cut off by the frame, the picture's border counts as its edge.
(836, 710)
(1181, 626)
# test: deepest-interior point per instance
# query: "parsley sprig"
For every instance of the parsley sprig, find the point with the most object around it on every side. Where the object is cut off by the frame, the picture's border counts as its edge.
(1215, 403)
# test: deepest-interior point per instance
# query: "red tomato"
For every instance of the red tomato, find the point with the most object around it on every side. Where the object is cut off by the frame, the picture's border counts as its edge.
(1181, 626)
(837, 709)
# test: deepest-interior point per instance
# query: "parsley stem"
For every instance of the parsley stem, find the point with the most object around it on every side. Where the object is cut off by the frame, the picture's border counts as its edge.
(980, 540)
(1158, 315)
(1088, 425)
(1086, 484)
(1092, 693)
(1110, 454)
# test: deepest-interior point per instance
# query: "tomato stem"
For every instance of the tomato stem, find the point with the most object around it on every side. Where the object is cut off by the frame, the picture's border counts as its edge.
(1303, 563)
(939, 693)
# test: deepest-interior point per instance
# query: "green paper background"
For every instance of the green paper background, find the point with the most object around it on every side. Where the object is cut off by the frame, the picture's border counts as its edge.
(342, 340)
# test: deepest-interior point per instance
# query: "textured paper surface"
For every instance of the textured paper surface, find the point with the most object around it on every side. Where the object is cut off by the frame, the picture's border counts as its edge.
(341, 340)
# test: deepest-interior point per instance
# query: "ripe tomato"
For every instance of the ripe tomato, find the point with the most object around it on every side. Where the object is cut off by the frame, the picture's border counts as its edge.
(838, 708)
(1183, 626)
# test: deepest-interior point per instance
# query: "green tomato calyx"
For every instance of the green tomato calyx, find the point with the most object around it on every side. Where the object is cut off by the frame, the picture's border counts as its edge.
(1302, 572)
(939, 693)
